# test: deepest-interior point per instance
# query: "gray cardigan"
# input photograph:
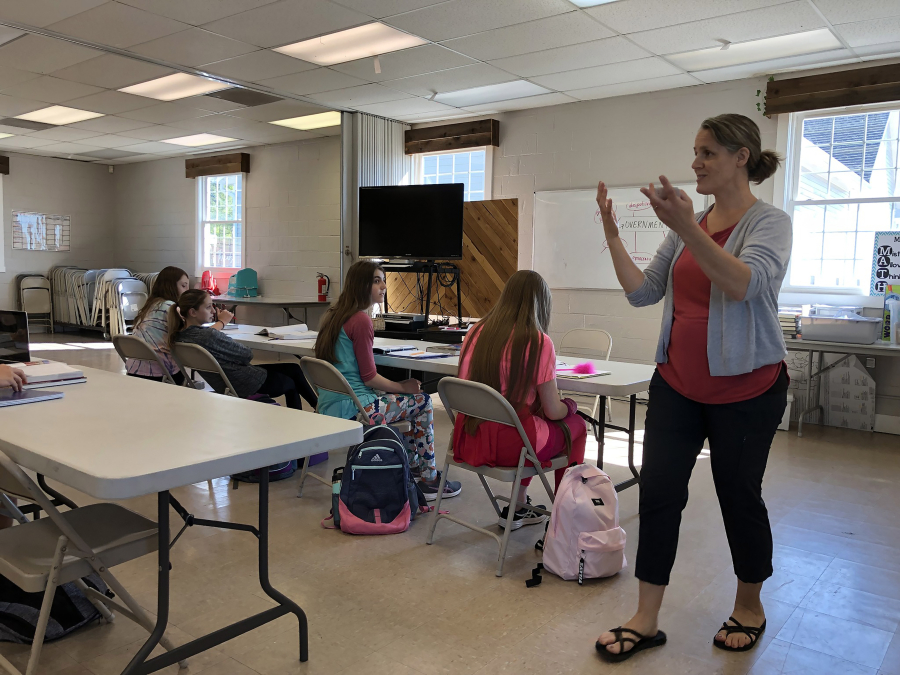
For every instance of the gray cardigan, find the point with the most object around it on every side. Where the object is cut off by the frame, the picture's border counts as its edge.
(745, 335)
(233, 357)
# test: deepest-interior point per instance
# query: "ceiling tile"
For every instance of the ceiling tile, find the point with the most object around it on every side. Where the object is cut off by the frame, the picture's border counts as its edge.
(843, 11)
(112, 72)
(522, 103)
(477, 75)
(258, 65)
(196, 12)
(155, 133)
(382, 8)
(69, 148)
(42, 13)
(155, 148)
(793, 17)
(24, 142)
(313, 81)
(215, 105)
(466, 17)
(627, 87)
(10, 106)
(409, 106)
(881, 51)
(433, 117)
(208, 124)
(626, 71)
(11, 76)
(554, 31)
(763, 68)
(584, 55)
(111, 102)
(637, 15)
(354, 96)
(281, 110)
(238, 97)
(287, 21)
(40, 54)
(109, 124)
(112, 154)
(64, 134)
(193, 47)
(865, 33)
(5, 129)
(113, 141)
(51, 89)
(406, 63)
(117, 25)
(162, 113)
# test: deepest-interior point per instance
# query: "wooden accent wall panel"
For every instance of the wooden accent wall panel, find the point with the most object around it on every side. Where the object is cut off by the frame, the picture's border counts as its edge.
(4, 165)
(877, 84)
(490, 257)
(217, 165)
(452, 136)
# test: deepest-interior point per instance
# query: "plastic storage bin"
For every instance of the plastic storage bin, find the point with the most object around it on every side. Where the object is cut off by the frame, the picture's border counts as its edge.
(848, 327)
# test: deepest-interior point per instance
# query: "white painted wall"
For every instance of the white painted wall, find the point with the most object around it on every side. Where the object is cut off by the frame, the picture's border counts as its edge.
(56, 186)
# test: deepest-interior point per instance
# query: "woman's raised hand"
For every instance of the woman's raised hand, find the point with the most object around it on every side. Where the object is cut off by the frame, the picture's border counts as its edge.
(671, 205)
(607, 212)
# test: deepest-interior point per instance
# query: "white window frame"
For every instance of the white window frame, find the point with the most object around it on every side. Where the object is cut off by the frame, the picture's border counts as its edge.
(200, 195)
(488, 166)
(790, 129)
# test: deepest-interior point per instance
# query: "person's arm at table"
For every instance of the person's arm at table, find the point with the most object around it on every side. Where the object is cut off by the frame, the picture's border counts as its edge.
(11, 377)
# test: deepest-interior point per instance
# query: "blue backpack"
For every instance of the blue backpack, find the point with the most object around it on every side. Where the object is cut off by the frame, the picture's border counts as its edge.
(375, 492)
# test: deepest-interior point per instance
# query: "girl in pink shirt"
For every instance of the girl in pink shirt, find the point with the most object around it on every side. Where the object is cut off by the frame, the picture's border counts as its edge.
(510, 351)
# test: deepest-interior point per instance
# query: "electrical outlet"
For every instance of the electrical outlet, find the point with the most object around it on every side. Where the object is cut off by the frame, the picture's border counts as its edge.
(870, 362)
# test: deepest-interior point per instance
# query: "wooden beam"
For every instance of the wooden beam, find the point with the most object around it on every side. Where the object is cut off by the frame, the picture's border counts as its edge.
(878, 84)
(452, 136)
(4, 165)
(217, 165)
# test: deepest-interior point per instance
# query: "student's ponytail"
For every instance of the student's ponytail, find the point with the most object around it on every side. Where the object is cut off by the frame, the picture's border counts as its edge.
(190, 299)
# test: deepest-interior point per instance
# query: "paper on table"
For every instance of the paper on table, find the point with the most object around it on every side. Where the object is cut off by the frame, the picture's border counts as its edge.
(581, 376)
(390, 349)
(423, 355)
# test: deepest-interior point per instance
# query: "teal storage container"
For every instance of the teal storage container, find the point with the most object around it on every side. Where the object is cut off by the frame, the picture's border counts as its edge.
(243, 284)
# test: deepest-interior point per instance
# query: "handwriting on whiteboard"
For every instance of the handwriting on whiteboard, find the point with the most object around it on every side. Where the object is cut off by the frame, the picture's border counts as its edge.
(634, 223)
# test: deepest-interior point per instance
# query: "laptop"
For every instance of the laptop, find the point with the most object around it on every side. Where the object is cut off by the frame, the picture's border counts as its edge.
(14, 340)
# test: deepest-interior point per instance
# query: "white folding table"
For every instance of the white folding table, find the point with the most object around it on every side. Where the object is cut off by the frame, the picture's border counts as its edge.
(625, 379)
(84, 441)
(285, 304)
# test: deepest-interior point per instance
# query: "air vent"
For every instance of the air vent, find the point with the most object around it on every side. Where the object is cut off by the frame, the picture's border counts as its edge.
(25, 124)
(244, 97)
(111, 154)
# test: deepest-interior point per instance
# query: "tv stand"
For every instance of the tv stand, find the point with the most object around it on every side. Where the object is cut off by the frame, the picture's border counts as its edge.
(429, 267)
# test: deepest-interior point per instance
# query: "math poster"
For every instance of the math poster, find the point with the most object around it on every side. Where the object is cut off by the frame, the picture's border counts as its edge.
(885, 262)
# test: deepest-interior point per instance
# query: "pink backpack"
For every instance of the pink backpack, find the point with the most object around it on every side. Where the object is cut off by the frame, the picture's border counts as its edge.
(584, 540)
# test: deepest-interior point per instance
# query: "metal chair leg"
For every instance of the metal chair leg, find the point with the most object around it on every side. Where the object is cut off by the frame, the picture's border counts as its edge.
(511, 512)
(440, 496)
(105, 612)
(46, 604)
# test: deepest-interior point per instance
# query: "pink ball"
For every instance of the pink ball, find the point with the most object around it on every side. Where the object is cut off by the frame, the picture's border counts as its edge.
(584, 369)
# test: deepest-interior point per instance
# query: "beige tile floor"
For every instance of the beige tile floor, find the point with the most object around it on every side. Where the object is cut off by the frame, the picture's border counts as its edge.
(395, 606)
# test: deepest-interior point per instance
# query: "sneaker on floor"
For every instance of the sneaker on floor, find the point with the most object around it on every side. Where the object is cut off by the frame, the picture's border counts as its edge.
(523, 516)
(451, 488)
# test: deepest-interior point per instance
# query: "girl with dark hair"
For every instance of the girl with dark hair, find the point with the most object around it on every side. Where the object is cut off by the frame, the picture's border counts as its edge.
(510, 351)
(151, 324)
(720, 371)
(345, 339)
(186, 324)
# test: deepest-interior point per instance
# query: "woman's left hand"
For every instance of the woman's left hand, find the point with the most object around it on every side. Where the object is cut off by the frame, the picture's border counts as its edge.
(671, 205)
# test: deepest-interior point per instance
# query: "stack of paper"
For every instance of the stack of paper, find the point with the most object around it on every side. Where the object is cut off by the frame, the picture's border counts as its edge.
(298, 331)
(40, 374)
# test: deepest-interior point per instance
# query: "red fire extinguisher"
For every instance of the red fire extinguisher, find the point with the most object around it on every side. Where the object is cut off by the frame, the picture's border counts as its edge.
(324, 285)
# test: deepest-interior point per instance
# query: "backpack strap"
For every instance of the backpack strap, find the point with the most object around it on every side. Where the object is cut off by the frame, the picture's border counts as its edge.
(535, 579)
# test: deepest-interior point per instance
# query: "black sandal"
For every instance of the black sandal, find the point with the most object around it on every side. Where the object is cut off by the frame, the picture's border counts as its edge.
(753, 633)
(640, 644)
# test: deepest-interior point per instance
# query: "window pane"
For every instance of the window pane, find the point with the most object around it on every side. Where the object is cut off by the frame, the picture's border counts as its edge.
(429, 164)
(430, 180)
(476, 196)
(849, 129)
(445, 163)
(818, 131)
(847, 158)
(445, 178)
(461, 162)
(461, 178)
(477, 161)
(476, 182)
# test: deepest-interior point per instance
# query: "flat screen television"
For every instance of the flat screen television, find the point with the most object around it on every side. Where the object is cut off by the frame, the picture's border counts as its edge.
(421, 222)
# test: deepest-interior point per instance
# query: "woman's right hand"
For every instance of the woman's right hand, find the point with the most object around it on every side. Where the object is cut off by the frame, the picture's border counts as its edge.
(607, 212)
(411, 386)
(11, 377)
(224, 316)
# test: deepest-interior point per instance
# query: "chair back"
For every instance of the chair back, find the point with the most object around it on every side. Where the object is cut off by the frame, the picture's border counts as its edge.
(196, 357)
(480, 401)
(589, 343)
(133, 347)
(322, 375)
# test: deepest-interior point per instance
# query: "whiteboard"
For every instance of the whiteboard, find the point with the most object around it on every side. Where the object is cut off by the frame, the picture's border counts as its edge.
(570, 248)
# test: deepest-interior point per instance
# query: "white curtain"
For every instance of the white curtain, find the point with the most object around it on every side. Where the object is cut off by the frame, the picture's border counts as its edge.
(380, 158)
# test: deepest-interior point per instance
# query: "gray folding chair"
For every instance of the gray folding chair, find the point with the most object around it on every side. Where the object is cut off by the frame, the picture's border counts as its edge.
(589, 343)
(40, 555)
(133, 347)
(36, 299)
(482, 402)
(197, 358)
(321, 375)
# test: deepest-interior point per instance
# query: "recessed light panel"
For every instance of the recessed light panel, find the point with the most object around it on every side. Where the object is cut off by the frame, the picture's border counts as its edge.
(591, 3)
(58, 114)
(307, 122)
(757, 50)
(175, 86)
(351, 44)
(5, 135)
(491, 93)
(196, 140)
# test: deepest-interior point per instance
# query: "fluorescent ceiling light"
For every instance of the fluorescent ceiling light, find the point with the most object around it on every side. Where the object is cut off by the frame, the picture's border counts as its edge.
(198, 139)
(5, 135)
(173, 87)
(307, 122)
(351, 44)
(591, 3)
(58, 114)
(491, 93)
(757, 50)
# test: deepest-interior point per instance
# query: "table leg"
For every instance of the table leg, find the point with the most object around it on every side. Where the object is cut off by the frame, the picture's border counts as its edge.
(635, 475)
(600, 426)
(600, 432)
(809, 370)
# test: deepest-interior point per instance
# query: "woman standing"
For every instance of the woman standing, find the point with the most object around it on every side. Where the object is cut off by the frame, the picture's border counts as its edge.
(720, 373)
